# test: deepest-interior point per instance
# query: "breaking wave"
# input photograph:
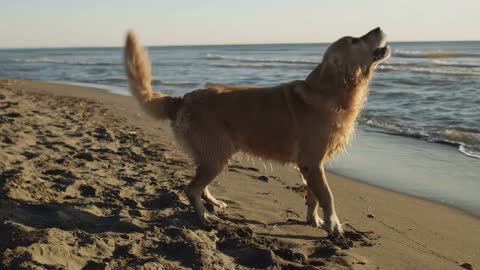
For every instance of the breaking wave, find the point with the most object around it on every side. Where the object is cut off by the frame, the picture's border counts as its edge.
(46, 60)
(174, 83)
(434, 54)
(261, 60)
(466, 141)
(121, 80)
(431, 70)
(260, 66)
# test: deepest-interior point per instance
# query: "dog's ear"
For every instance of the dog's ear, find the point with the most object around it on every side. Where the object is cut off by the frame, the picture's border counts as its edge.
(336, 80)
(331, 77)
(325, 78)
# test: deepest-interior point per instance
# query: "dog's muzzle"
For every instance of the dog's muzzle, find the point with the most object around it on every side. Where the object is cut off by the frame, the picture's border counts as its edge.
(382, 51)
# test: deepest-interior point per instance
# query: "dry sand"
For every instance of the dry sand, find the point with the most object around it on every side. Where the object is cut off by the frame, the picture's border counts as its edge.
(87, 181)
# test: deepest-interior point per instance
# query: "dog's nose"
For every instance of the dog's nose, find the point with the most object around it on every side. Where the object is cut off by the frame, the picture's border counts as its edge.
(376, 31)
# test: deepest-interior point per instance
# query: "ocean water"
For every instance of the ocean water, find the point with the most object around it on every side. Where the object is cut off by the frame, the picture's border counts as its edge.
(426, 92)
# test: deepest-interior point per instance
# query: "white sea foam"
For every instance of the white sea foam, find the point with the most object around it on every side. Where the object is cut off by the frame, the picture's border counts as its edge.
(260, 66)
(73, 61)
(264, 60)
(455, 63)
(434, 54)
(174, 83)
(467, 142)
(431, 70)
(469, 151)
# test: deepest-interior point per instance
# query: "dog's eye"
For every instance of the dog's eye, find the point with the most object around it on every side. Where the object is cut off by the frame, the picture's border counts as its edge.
(355, 40)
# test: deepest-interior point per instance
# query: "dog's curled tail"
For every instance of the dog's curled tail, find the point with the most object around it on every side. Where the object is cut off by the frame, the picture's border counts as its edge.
(137, 67)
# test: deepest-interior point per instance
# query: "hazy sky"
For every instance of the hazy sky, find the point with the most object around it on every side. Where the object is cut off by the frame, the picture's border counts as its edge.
(60, 23)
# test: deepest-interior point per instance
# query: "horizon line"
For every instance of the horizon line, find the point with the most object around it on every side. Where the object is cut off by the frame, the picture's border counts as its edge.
(214, 44)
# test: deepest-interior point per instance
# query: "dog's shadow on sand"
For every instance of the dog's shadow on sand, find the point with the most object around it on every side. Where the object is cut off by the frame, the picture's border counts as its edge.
(63, 216)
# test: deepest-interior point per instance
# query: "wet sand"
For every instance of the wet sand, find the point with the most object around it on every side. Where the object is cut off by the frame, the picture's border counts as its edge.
(87, 181)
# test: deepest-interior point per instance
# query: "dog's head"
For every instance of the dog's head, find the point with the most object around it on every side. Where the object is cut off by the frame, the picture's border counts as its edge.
(357, 57)
(349, 63)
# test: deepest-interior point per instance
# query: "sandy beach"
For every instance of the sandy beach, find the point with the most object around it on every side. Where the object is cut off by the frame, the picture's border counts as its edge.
(88, 181)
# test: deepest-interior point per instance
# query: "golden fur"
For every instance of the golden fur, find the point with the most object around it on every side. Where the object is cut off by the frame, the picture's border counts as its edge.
(303, 122)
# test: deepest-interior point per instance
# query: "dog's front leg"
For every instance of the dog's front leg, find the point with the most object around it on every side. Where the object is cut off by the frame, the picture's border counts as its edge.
(312, 206)
(317, 184)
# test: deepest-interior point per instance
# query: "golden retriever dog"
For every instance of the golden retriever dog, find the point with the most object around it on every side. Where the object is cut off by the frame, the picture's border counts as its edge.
(304, 122)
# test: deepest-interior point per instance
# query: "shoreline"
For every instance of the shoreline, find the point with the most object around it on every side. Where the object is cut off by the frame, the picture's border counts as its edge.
(111, 90)
(416, 197)
(409, 232)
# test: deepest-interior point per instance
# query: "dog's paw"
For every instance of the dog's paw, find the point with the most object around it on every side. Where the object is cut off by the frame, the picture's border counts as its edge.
(221, 204)
(315, 221)
(332, 225)
(208, 219)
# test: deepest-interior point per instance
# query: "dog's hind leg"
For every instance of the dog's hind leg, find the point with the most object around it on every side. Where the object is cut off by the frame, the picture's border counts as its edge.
(204, 175)
(207, 196)
(318, 186)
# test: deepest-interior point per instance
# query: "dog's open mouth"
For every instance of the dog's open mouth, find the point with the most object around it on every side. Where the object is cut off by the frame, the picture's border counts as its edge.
(381, 53)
